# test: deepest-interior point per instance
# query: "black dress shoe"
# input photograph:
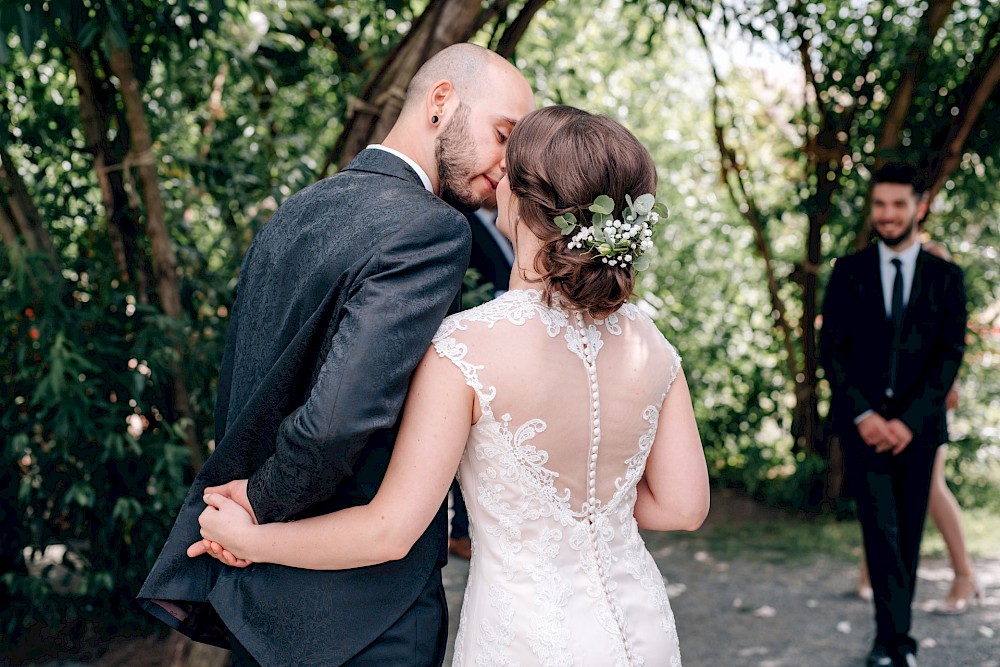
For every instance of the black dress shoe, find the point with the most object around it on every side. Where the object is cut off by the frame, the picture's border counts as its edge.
(905, 658)
(879, 658)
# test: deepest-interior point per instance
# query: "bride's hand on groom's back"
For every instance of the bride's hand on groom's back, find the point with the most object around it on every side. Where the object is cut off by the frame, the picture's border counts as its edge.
(225, 529)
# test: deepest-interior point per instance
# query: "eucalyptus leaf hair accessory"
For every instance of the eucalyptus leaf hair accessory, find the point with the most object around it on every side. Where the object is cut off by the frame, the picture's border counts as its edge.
(616, 242)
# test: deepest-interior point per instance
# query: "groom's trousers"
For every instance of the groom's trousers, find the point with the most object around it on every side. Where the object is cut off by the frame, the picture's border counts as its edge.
(418, 638)
(892, 493)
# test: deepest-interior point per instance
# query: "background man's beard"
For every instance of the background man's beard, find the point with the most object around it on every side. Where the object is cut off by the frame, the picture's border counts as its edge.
(892, 242)
(455, 153)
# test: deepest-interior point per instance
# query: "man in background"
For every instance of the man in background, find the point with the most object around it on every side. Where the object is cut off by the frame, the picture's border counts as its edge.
(892, 340)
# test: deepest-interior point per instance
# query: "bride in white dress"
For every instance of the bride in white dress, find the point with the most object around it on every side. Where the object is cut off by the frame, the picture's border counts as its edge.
(566, 414)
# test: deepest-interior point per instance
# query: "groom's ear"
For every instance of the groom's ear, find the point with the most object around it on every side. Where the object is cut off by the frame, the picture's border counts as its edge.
(441, 101)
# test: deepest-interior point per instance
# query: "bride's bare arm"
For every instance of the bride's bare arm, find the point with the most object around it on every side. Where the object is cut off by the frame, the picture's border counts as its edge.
(432, 436)
(673, 492)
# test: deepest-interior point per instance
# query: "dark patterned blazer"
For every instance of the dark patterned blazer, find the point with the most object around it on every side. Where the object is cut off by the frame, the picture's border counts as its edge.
(857, 337)
(339, 296)
(488, 257)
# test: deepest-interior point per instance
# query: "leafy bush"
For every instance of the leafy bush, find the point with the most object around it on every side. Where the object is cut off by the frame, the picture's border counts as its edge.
(100, 457)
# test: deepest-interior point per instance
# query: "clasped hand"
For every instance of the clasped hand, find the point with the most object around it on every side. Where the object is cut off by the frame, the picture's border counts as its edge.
(884, 435)
(225, 524)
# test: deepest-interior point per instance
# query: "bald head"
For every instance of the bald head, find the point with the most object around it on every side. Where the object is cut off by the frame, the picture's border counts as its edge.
(468, 67)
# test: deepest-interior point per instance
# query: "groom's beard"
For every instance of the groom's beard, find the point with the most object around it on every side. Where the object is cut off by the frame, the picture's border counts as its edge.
(456, 158)
(893, 241)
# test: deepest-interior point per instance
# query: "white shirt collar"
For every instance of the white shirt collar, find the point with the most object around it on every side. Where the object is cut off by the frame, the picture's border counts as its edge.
(908, 257)
(908, 260)
(408, 160)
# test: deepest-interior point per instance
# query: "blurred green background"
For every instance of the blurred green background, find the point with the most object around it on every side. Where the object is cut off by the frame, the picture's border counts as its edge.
(143, 144)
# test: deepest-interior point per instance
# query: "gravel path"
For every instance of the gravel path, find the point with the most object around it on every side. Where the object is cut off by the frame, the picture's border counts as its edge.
(753, 613)
(747, 611)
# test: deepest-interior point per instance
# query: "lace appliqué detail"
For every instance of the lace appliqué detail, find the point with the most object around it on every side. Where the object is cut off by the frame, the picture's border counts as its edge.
(674, 370)
(455, 351)
(515, 306)
(639, 562)
(627, 310)
(495, 638)
(514, 461)
(515, 490)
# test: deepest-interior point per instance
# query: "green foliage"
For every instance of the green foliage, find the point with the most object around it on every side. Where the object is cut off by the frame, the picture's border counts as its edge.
(102, 463)
(706, 283)
(475, 290)
(243, 101)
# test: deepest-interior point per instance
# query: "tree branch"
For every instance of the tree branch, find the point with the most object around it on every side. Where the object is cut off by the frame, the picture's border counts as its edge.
(515, 31)
(747, 206)
(805, 53)
(94, 129)
(977, 89)
(866, 89)
(7, 229)
(216, 111)
(164, 257)
(24, 211)
(899, 106)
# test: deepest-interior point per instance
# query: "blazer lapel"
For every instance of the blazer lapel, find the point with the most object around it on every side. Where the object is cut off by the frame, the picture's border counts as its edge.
(871, 280)
(375, 161)
(918, 299)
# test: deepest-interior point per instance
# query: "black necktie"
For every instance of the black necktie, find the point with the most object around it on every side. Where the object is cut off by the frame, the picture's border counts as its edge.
(897, 320)
(897, 294)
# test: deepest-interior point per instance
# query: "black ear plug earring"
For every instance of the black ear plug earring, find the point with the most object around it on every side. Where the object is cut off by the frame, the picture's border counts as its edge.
(434, 120)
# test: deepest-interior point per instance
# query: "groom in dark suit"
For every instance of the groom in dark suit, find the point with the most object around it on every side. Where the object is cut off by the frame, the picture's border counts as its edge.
(339, 296)
(892, 341)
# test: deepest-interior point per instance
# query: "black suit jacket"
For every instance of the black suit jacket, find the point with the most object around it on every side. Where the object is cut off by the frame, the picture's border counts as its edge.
(856, 341)
(339, 296)
(487, 256)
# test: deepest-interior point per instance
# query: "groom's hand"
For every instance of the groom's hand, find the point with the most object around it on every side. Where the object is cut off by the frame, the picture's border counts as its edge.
(236, 491)
(218, 552)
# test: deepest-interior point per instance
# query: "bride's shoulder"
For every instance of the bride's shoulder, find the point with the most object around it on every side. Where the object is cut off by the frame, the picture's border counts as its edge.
(513, 307)
(649, 327)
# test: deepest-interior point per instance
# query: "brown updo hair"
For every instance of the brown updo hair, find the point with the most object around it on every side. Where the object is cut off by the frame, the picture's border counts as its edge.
(559, 160)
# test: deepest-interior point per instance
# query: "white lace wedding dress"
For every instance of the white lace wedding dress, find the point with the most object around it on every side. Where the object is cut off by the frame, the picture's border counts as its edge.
(559, 574)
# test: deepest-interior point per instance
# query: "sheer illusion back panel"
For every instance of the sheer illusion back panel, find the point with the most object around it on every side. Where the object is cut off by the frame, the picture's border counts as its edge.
(570, 406)
(584, 392)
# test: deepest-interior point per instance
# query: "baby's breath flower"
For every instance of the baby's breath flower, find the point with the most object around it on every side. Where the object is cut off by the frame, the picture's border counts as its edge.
(616, 242)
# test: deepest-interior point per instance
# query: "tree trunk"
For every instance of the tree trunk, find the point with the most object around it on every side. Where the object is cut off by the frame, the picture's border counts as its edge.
(8, 232)
(975, 91)
(373, 113)
(25, 213)
(899, 107)
(807, 428)
(515, 31)
(164, 258)
(121, 217)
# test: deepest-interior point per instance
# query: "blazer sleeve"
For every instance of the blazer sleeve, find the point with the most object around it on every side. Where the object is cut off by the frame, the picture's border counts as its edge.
(943, 364)
(385, 328)
(835, 340)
